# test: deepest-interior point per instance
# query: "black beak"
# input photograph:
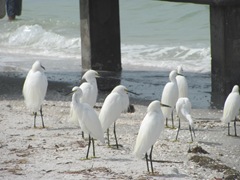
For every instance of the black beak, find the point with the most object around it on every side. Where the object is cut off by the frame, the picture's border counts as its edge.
(164, 105)
(43, 67)
(133, 93)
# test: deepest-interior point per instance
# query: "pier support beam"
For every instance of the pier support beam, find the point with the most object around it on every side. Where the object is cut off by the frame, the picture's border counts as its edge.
(225, 46)
(100, 35)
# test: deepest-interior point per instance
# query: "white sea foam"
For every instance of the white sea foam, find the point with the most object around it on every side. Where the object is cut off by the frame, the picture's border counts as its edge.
(153, 37)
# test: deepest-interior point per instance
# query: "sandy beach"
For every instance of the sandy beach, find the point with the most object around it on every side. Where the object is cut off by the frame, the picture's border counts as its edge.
(57, 151)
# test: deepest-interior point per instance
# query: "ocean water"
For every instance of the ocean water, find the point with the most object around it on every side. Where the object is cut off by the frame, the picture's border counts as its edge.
(156, 37)
(154, 34)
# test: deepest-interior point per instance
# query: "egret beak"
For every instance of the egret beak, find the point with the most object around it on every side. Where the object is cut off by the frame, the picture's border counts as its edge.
(70, 93)
(180, 74)
(43, 67)
(97, 75)
(164, 105)
(132, 92)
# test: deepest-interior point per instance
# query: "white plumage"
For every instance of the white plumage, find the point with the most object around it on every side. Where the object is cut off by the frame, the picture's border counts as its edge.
(182, 83)
(88, 118)
(151, 128)
(35, 88)
(114, 104)
(170, 96)
(231, 108)
(89, 92)
(183, 110)
(89, 88)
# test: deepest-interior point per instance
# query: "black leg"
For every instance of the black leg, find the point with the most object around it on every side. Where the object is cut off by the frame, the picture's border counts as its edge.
(190, 129)
(82, 134)
(93, 147)
(179, 124)
(108, 137)
(235, 128)
(146, 157)
(166, 122)
(151, 158)
(42, 117)
(172, 119)
(114, 131)
(229, 128)
(89, 144)
(35, 115)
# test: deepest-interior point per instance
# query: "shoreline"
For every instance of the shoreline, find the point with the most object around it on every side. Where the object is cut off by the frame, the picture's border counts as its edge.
(148, 84)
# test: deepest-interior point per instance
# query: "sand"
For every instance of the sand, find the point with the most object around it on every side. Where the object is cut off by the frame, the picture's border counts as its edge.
(58, 151)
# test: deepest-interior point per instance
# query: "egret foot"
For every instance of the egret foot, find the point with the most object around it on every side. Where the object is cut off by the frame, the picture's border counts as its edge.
(114, 146)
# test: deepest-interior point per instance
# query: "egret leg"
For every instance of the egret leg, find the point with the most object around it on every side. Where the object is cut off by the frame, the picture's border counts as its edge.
(89, 144)
(235, 128)
(42, 117)
(150, 156)
(172, 120)
(82, 134)
(179, 124)
(93, 147)
(146, 157)
(190, 129)
(35, 115)
(115, 135)
(166, 122)
(108, 137)
(229, 128)
(193, 130)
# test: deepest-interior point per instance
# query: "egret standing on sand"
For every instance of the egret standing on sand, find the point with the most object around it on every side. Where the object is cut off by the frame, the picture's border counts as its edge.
(231, 108)
(183, 109)
(88, 119)
(114, 104)
(182, 83)
(170, 96)
(34, 89)
(150, 130)
(90, 92)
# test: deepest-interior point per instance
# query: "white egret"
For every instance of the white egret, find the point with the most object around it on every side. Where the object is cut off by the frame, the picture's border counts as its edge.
(151, 128)
(90, 92)
(170, 96)
(114, 104)
(88, 119)
(231, 108)
(89, 87)
(183, 109)
(34, 89)
(182, 83)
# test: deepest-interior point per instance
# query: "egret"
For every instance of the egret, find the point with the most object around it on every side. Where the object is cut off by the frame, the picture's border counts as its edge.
(183, 109)
(182, 83)
(151, 128)
(89, 87)
(88, 119)
(231, 108)
(170, 96)
(90, 92)
(114, 104)
(34, 90)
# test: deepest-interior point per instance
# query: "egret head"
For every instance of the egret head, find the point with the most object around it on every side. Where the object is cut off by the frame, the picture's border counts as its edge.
(235, 89)
(90, 74)
(37, 66)
(179, 69)
(172, 75)
(122, 89)
(156, 106)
